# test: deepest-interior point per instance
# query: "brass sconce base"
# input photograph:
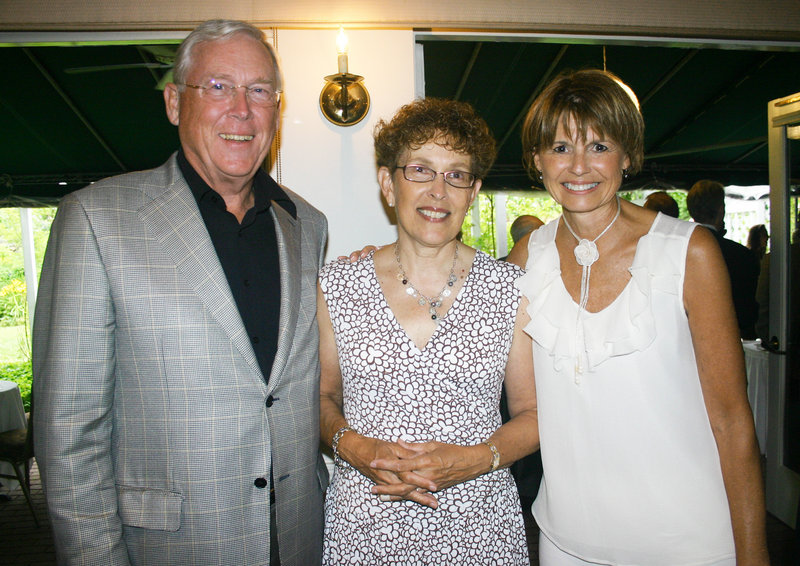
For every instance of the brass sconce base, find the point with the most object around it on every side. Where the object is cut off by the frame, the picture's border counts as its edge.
(344, 100)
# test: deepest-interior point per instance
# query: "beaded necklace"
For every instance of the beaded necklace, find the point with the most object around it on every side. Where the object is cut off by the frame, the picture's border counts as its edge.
(432, 302)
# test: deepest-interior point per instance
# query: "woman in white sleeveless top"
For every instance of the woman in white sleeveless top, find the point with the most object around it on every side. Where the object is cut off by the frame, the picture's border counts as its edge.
(647, 439)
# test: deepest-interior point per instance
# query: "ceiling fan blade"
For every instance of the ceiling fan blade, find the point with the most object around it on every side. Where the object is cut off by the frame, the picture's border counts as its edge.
(167, 78)
(162, 53)
(99, 68)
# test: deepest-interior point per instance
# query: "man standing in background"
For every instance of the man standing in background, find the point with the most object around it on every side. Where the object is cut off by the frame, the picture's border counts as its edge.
(706, 204)
(521, 227)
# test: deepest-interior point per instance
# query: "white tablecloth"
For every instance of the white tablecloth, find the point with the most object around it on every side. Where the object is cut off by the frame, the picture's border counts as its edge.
(756, 361)
(12, 416)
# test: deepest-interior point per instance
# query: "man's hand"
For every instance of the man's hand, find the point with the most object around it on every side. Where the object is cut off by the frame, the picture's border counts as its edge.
(360, 254)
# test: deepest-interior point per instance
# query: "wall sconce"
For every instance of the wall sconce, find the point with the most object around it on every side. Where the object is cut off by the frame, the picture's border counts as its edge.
(344, 100)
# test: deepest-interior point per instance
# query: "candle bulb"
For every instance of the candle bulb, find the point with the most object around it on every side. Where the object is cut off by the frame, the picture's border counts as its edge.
(341, 49)
(344, 100)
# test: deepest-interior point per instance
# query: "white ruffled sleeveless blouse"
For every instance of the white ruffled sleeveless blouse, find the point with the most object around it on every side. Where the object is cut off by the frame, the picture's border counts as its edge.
(631, 468)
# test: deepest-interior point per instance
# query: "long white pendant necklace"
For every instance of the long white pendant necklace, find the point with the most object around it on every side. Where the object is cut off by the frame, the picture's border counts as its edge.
(432, 302)
(586, 253)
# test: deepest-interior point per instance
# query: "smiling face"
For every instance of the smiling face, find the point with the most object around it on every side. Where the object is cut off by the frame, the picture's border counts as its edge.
(226, 141)
(581, 174)
(430, 213)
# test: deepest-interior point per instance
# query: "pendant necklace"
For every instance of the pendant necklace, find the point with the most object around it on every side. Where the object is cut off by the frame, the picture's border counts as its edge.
(586, 253)
(432, 302)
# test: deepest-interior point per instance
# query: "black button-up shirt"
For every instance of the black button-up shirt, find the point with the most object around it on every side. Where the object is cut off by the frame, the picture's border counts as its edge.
(248, 253)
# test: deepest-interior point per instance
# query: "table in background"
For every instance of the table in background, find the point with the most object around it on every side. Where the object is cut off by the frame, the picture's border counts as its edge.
(756, 361)
(12, 416)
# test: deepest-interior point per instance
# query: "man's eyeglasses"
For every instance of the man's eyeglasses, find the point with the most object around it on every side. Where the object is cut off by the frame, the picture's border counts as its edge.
(260, 94)
(422, 174)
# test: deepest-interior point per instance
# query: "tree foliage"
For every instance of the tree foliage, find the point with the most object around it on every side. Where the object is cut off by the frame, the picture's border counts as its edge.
(20, 373)
(538, 204)
(13, 303)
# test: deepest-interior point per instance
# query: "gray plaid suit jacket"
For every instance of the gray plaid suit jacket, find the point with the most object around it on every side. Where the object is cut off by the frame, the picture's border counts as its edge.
(152, 417)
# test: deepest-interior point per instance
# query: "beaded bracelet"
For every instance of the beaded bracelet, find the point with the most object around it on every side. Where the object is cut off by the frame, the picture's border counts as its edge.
(495, 455)
(337, 460)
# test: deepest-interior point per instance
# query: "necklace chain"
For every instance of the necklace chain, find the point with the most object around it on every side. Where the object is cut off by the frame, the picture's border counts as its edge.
(586, 253)
(432, 302)
(606, 229)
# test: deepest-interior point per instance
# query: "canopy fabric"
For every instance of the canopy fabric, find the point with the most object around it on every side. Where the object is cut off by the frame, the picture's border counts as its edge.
(74, 114)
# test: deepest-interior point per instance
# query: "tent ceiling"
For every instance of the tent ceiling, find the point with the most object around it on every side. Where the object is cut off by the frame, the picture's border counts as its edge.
(704, 108)
(64, 125)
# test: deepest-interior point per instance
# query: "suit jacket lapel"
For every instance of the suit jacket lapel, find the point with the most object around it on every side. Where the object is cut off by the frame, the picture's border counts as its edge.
(175, 221)
(287, 230)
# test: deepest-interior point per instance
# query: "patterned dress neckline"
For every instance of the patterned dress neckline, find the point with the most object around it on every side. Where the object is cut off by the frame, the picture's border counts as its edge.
(442, 320)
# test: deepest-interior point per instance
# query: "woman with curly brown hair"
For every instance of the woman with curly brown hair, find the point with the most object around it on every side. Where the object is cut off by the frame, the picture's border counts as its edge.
(416, 341)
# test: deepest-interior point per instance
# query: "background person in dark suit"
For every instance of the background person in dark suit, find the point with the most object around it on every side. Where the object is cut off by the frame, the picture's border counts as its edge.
(706, 204)
(175, 351)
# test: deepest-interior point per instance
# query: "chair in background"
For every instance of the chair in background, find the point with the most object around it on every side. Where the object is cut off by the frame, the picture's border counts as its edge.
(16, 448)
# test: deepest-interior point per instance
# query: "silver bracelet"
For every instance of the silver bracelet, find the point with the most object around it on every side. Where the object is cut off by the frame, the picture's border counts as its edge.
(337, 460)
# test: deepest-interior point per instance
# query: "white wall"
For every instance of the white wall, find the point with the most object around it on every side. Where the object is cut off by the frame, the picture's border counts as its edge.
(333, 167)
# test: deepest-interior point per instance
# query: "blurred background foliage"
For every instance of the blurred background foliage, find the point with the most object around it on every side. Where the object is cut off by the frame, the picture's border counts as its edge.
(15, 346)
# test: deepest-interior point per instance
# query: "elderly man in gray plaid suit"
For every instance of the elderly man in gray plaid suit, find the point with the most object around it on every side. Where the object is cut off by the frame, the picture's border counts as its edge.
(175, 340)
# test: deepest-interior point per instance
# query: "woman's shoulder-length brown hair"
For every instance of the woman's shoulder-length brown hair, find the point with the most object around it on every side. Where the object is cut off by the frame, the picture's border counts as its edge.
(595, 99)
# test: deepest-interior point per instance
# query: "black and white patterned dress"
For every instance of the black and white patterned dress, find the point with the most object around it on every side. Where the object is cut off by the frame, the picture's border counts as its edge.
(448, 392)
